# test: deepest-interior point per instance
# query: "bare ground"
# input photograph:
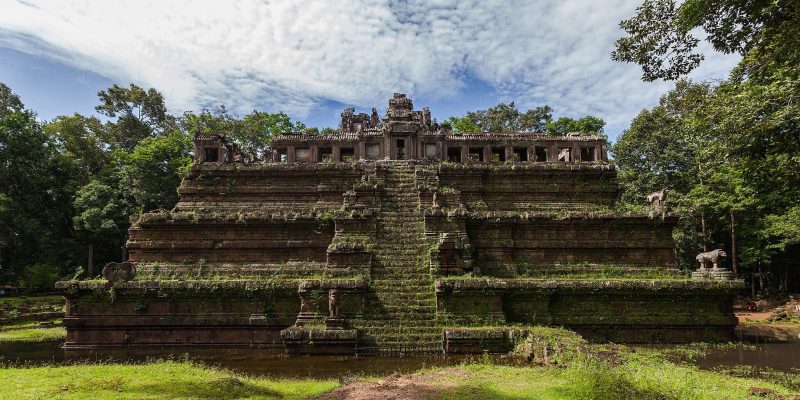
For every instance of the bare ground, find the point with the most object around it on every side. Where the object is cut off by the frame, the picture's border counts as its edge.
(397, 387)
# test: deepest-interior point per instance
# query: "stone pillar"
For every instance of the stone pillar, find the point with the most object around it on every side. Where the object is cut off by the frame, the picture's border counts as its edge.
(359, 150)
(289, 154)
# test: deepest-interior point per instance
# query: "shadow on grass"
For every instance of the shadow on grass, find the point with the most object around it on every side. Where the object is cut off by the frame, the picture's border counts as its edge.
(225, 388)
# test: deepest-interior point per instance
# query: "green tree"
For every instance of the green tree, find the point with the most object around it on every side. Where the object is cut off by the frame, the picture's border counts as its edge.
(746, 132)
(29, 181)
(502, 118)
(462, 125)
(101, 214)
(151, 173)
(79, 141)
(252, 133)
(137, 113)
(660, 36)
(588, 124)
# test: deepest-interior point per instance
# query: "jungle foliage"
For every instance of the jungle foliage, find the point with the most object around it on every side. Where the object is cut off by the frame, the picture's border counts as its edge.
(508, 118)
(729, 152)
(68, 186)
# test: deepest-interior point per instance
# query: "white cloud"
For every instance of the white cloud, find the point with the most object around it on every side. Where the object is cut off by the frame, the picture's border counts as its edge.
(290, 55)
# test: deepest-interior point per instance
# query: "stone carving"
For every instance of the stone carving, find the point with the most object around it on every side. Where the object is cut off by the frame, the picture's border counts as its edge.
(334, 306)
(656, 199)
(352, 122)
(712, 256)
(435, 201)
(564, 155)
(334, 320)
(122, 271)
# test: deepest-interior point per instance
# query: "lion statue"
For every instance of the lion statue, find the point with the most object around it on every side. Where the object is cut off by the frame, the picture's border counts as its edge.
(712, 256)
(657, 198)
(122, 271)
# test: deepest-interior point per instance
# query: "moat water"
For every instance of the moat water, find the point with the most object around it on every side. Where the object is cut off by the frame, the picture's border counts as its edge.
(760, 347)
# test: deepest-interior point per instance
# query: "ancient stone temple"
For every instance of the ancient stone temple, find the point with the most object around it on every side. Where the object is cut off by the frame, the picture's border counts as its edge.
(395, 233)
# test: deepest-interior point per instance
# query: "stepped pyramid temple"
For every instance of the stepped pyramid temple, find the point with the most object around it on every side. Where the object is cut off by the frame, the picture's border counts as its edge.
(395, 235)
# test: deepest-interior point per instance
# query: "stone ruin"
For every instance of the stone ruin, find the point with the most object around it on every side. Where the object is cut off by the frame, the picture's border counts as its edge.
(376, 237)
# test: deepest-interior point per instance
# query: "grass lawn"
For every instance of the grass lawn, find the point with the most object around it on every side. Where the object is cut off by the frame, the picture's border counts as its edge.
(639, 376)
(31, 332)
(157, 380)
(33, 301)
(636, 379)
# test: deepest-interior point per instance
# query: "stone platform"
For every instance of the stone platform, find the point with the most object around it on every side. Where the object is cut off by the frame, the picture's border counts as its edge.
(416, 229)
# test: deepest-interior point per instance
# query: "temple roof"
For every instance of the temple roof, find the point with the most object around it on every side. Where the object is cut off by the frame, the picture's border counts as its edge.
(441, 134)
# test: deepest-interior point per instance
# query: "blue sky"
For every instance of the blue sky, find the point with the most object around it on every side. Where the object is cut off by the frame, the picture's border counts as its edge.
(312, 59)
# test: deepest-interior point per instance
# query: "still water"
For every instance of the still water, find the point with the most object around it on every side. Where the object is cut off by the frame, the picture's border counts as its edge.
(760, 347)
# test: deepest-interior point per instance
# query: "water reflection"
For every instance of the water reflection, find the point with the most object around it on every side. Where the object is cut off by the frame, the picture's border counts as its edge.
(762, 347)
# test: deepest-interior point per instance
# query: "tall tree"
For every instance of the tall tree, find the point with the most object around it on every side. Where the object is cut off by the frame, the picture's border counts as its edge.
(564, 125)
(661, 40)
(29, 180)
(137, 114)
(746, 131)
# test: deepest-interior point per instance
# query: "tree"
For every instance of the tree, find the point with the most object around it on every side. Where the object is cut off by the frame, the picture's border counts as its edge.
(252, 133)
(9, 102)
(152, 172)
(502, 118)
(101, 215)
(588, 124)
(139, 114)
(656, 152)
(745, 133)
(462, 125)
(29, 181)
(79, 140)
(660, 35)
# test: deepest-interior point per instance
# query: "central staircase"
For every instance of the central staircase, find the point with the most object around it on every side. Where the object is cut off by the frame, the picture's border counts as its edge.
(400, 309)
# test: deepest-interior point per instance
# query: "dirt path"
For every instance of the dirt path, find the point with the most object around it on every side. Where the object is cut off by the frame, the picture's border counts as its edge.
(396, 387)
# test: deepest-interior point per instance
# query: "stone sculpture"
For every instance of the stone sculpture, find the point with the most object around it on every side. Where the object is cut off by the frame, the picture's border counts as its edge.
(656, 199)
(334, 310)
(122, 271)
(712, 256)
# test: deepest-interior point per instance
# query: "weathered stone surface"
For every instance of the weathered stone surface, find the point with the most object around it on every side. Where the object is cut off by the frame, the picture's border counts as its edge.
(374, 213)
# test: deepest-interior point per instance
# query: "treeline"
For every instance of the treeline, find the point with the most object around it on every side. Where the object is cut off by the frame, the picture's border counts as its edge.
(508, 118)
(68, 186)
(729, 152)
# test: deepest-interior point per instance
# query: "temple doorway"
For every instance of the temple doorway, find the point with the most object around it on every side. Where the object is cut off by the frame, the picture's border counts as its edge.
(400, 145)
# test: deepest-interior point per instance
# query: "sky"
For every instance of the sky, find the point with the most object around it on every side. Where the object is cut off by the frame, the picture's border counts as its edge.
(312, 59)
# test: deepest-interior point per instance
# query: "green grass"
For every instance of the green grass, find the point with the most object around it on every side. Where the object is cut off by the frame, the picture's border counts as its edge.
(31, 332)
(32, 301)
(639, 377)
(158, 380)
(639, 374)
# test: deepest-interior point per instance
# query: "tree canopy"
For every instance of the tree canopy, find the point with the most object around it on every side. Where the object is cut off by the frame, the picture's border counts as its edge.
(728, 150)
(68, 186)
(507, 118)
